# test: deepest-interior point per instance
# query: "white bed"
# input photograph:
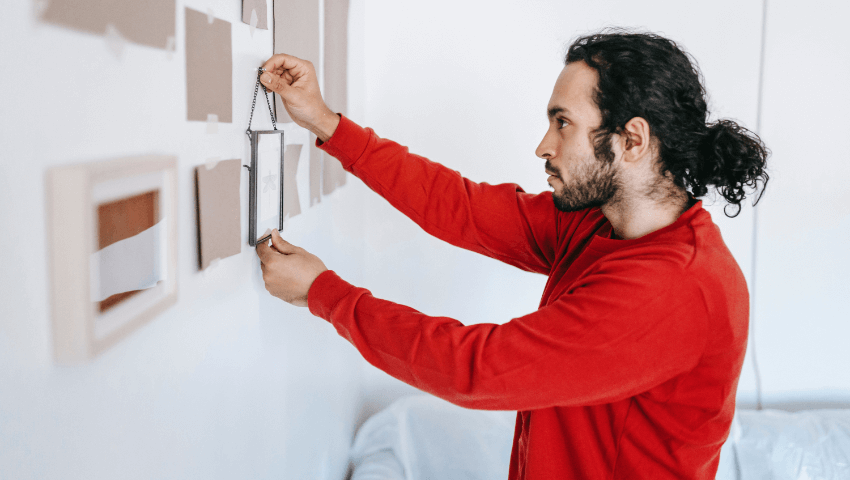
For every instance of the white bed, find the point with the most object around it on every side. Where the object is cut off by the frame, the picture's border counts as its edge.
(422, 438)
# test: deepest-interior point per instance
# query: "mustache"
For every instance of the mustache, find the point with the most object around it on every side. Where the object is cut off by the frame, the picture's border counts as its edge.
(551, 169)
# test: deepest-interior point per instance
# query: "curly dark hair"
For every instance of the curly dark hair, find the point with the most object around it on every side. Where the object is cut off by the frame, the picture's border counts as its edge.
(649, 76)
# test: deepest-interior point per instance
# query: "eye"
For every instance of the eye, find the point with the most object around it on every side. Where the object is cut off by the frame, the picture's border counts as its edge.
(562, 122)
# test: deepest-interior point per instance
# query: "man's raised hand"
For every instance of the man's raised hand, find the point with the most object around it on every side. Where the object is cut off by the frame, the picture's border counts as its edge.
(288, 271)
(295, 81)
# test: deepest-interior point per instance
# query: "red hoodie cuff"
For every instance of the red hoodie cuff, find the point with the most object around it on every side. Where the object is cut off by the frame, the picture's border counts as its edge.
(347, 143)
(325, 292)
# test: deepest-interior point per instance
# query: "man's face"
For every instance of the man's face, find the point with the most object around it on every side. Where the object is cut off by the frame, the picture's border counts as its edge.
(580, 176)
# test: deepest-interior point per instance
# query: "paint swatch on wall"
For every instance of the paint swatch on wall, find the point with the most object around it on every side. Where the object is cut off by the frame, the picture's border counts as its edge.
(296, 32)
(336, 55)
(315, 172)
(152, 22)
(218, 200)
(128, 259)
(255, 11)
(209, 67)
(333, 175)
(291, 204)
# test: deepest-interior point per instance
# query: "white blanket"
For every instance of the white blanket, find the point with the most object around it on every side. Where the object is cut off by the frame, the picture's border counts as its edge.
(423, 438)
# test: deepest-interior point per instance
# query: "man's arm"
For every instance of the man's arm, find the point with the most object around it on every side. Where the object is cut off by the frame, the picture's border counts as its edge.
(500, 221)
(628, 328)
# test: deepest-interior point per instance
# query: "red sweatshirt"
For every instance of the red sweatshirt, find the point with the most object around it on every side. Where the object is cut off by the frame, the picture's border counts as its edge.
(629, 367)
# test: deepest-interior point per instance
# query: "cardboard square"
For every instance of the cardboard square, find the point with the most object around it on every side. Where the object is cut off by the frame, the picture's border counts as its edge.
(333, 175)
(262, 9)
(152, 22)
(296, 32)
(291, 204)
(125, 218)
(335, 89)
(209, 68)
(218, 200)
(315, 172)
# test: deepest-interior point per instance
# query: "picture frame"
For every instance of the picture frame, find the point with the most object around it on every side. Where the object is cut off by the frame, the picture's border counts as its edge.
(266, 190)
(113, 250)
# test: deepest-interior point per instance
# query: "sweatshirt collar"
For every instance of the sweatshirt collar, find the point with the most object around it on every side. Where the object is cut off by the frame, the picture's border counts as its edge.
(603, 240)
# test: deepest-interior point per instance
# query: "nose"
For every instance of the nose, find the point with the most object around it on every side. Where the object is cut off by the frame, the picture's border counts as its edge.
(548, 147)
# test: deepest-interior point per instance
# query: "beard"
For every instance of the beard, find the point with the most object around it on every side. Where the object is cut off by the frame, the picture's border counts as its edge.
(593, 181)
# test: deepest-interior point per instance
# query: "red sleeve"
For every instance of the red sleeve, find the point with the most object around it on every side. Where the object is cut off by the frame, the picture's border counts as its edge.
(500, 221)
(593, 345)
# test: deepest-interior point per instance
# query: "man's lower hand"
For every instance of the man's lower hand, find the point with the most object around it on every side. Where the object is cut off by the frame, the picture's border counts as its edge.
(288, 271)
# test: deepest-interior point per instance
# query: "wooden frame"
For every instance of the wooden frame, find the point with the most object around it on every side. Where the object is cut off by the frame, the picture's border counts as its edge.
(82, 327)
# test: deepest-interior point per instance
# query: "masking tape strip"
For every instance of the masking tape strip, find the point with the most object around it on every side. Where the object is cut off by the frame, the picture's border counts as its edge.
(212, 162)
(254, 21)
(114, 41)
(212, 123)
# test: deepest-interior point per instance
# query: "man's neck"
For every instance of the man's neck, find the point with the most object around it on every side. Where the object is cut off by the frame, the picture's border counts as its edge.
(635, 217)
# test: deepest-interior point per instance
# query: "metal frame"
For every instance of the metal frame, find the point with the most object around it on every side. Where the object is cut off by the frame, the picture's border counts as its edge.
(252, 195)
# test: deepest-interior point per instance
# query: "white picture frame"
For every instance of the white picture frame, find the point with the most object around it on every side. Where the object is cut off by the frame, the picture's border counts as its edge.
(82, 329)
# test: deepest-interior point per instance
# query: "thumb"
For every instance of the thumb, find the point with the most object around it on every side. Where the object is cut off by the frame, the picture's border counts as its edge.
(282, 245)
(275, 83)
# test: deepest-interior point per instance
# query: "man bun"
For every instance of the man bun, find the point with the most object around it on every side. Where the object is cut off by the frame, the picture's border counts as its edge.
(732, 159)
(649, 76)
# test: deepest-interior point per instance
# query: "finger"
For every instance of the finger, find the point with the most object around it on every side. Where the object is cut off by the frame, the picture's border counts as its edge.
(282, 62)
(282, 245)
(276, 83)
(265, 252)
(276, 62)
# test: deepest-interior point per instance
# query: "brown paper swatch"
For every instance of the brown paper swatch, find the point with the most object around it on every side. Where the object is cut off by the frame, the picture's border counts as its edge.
(209, 68)
(333, 175)
(151, 22)
(291, 204)
(336, 80)
(120, 220)
(336, 55)
(218, 200)
(261, 7)
(315, 172)
(296, 32)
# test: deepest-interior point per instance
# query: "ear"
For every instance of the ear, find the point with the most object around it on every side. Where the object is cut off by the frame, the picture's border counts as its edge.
(636, 136)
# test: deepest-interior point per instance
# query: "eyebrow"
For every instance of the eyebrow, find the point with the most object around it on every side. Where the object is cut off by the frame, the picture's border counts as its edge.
(552, 112)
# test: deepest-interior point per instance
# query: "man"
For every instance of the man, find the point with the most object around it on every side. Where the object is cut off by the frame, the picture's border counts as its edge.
(630, 365)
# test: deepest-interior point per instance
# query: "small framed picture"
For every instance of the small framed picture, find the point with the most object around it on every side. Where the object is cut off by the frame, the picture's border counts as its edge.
(113, 243)
(265, 202)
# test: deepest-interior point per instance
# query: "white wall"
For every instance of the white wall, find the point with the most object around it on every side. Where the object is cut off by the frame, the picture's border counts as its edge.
(467, 87)
(228, 383)
(803, 275)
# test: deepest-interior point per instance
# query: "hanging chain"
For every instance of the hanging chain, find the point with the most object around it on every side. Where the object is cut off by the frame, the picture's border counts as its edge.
(254, 102)
(266, 94)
